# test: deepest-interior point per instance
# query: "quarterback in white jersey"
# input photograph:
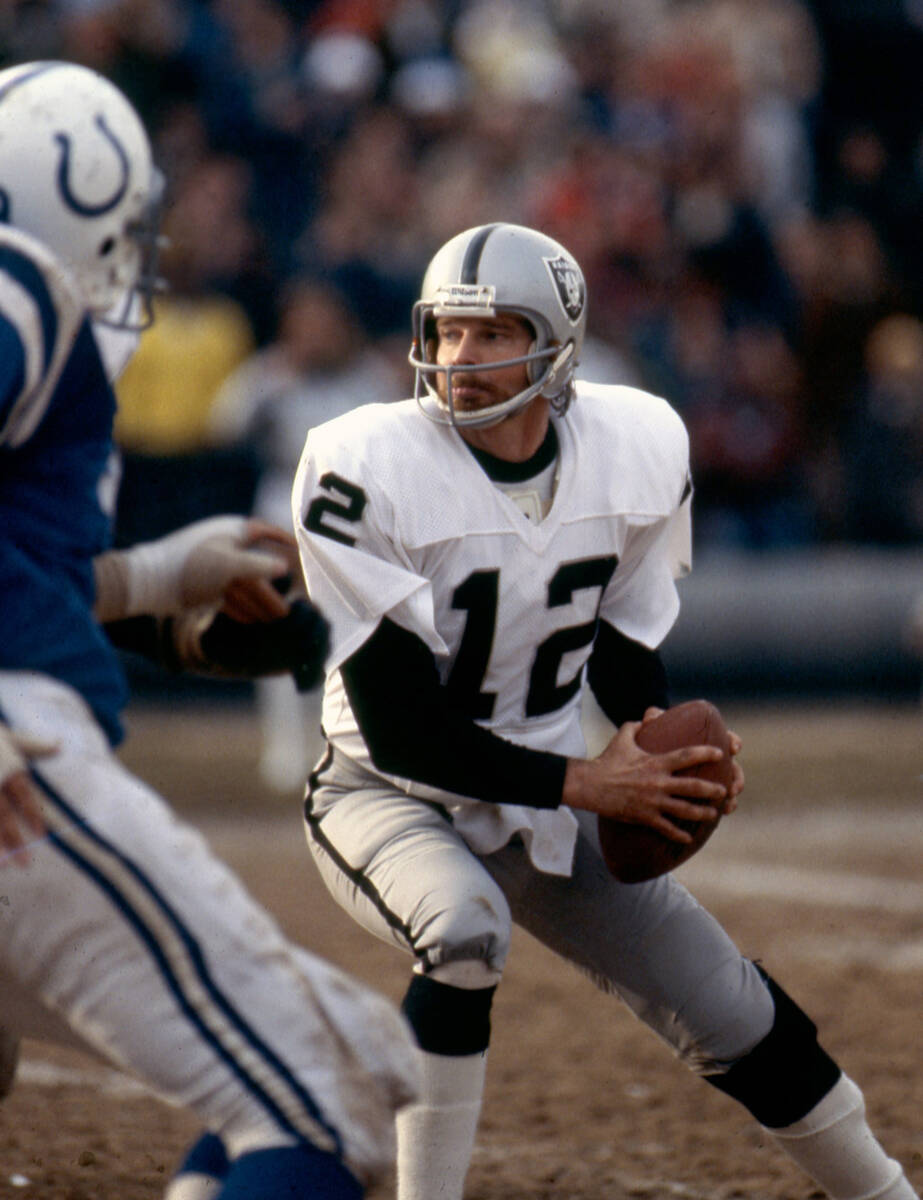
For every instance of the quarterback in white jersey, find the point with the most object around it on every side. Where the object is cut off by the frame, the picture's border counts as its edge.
(125, 935)
(483, 553)
(507, 605)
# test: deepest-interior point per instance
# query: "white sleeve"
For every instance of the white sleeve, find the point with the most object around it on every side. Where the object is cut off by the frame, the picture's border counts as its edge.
(354, 569)
(680, 537)
(641, 600)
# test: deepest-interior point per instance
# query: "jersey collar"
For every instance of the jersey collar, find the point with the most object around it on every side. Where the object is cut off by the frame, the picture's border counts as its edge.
(500, 470)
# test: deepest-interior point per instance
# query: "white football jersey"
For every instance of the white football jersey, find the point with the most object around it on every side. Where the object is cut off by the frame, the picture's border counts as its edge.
(395, 517)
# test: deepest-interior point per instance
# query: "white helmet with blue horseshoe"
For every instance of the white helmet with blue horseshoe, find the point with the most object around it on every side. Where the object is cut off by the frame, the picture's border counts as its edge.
(76, 172)
(502, 268)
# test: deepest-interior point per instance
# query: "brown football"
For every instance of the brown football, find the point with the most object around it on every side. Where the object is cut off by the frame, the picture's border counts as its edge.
(634, 853)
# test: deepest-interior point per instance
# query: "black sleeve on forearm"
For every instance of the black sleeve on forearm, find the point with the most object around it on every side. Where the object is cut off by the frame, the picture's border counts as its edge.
(296, 643)
(412, 730)
(147, 636)
(626, 677)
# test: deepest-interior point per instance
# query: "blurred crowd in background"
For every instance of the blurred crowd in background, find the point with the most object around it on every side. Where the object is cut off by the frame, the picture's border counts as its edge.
(742, 181)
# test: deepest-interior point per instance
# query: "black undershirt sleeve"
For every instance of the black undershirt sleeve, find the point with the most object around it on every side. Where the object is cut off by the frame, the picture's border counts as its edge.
(626, 678)
(413, 731)
(144, 635)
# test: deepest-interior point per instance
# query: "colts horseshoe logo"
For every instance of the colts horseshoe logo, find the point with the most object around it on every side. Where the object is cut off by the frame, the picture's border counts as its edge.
(70, 198)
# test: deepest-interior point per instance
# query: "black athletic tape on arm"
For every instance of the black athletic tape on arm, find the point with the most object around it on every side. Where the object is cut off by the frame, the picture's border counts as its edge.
(786, 1074)
(413, 731)
(448, 1020)
(625, 677)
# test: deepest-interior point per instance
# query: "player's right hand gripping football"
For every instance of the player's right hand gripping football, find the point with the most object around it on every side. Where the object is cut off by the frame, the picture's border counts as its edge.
(20, 809)
(626, 783)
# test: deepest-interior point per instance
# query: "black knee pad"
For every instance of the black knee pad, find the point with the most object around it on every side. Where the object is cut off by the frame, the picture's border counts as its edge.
(787, 1073)
(448, 1020)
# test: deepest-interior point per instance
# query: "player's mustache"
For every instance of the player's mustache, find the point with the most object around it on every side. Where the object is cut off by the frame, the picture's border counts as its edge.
(474, 378)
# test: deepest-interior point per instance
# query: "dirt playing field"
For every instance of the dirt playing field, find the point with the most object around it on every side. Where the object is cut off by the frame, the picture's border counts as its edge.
(818, 875)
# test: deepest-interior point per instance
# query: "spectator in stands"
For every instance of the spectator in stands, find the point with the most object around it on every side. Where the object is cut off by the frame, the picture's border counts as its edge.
(883, 438)
(200, 336)
(733, 142)
(746, 433)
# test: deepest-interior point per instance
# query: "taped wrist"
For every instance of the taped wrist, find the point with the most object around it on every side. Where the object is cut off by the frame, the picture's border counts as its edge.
(448, 1020)
(157, 572)
(786, 1074)
(110, 576)
(183, 570)
(144, 580)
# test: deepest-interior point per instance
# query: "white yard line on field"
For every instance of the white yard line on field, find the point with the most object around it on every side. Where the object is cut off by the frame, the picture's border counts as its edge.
(719, 876)
(38, 1073)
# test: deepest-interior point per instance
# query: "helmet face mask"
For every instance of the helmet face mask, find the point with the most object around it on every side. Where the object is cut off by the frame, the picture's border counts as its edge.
(142, 235)
(496, 269)
(76, 173)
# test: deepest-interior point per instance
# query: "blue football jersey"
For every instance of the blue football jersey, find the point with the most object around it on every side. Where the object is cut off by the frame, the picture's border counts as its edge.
(57, 489)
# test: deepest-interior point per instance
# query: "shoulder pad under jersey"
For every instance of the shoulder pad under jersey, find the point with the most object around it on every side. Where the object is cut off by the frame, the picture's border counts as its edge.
(40, 314)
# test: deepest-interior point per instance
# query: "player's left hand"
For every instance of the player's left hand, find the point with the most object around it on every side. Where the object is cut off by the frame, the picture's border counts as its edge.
(737, 786)
(20, 808)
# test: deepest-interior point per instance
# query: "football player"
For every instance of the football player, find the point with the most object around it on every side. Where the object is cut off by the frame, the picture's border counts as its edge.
(123, 934)
(483, 552)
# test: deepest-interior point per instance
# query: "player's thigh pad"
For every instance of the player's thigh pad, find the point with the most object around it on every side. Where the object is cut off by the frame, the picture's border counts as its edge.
(652, 943)
(397, 865)
(153, 952)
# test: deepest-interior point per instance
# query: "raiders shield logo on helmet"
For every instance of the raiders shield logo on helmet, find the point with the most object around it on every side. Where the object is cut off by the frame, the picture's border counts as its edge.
(569, 282)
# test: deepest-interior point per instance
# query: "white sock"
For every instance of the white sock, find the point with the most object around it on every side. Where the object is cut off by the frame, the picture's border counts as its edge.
(435, 1136)
(834, 1144)
(193, 1186)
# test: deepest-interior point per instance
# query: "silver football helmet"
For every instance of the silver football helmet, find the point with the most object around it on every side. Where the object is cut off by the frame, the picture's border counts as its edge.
(76, 172)
(502, 269)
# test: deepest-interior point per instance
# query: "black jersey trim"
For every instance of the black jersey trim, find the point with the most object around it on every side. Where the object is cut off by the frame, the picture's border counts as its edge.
(501, 470)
